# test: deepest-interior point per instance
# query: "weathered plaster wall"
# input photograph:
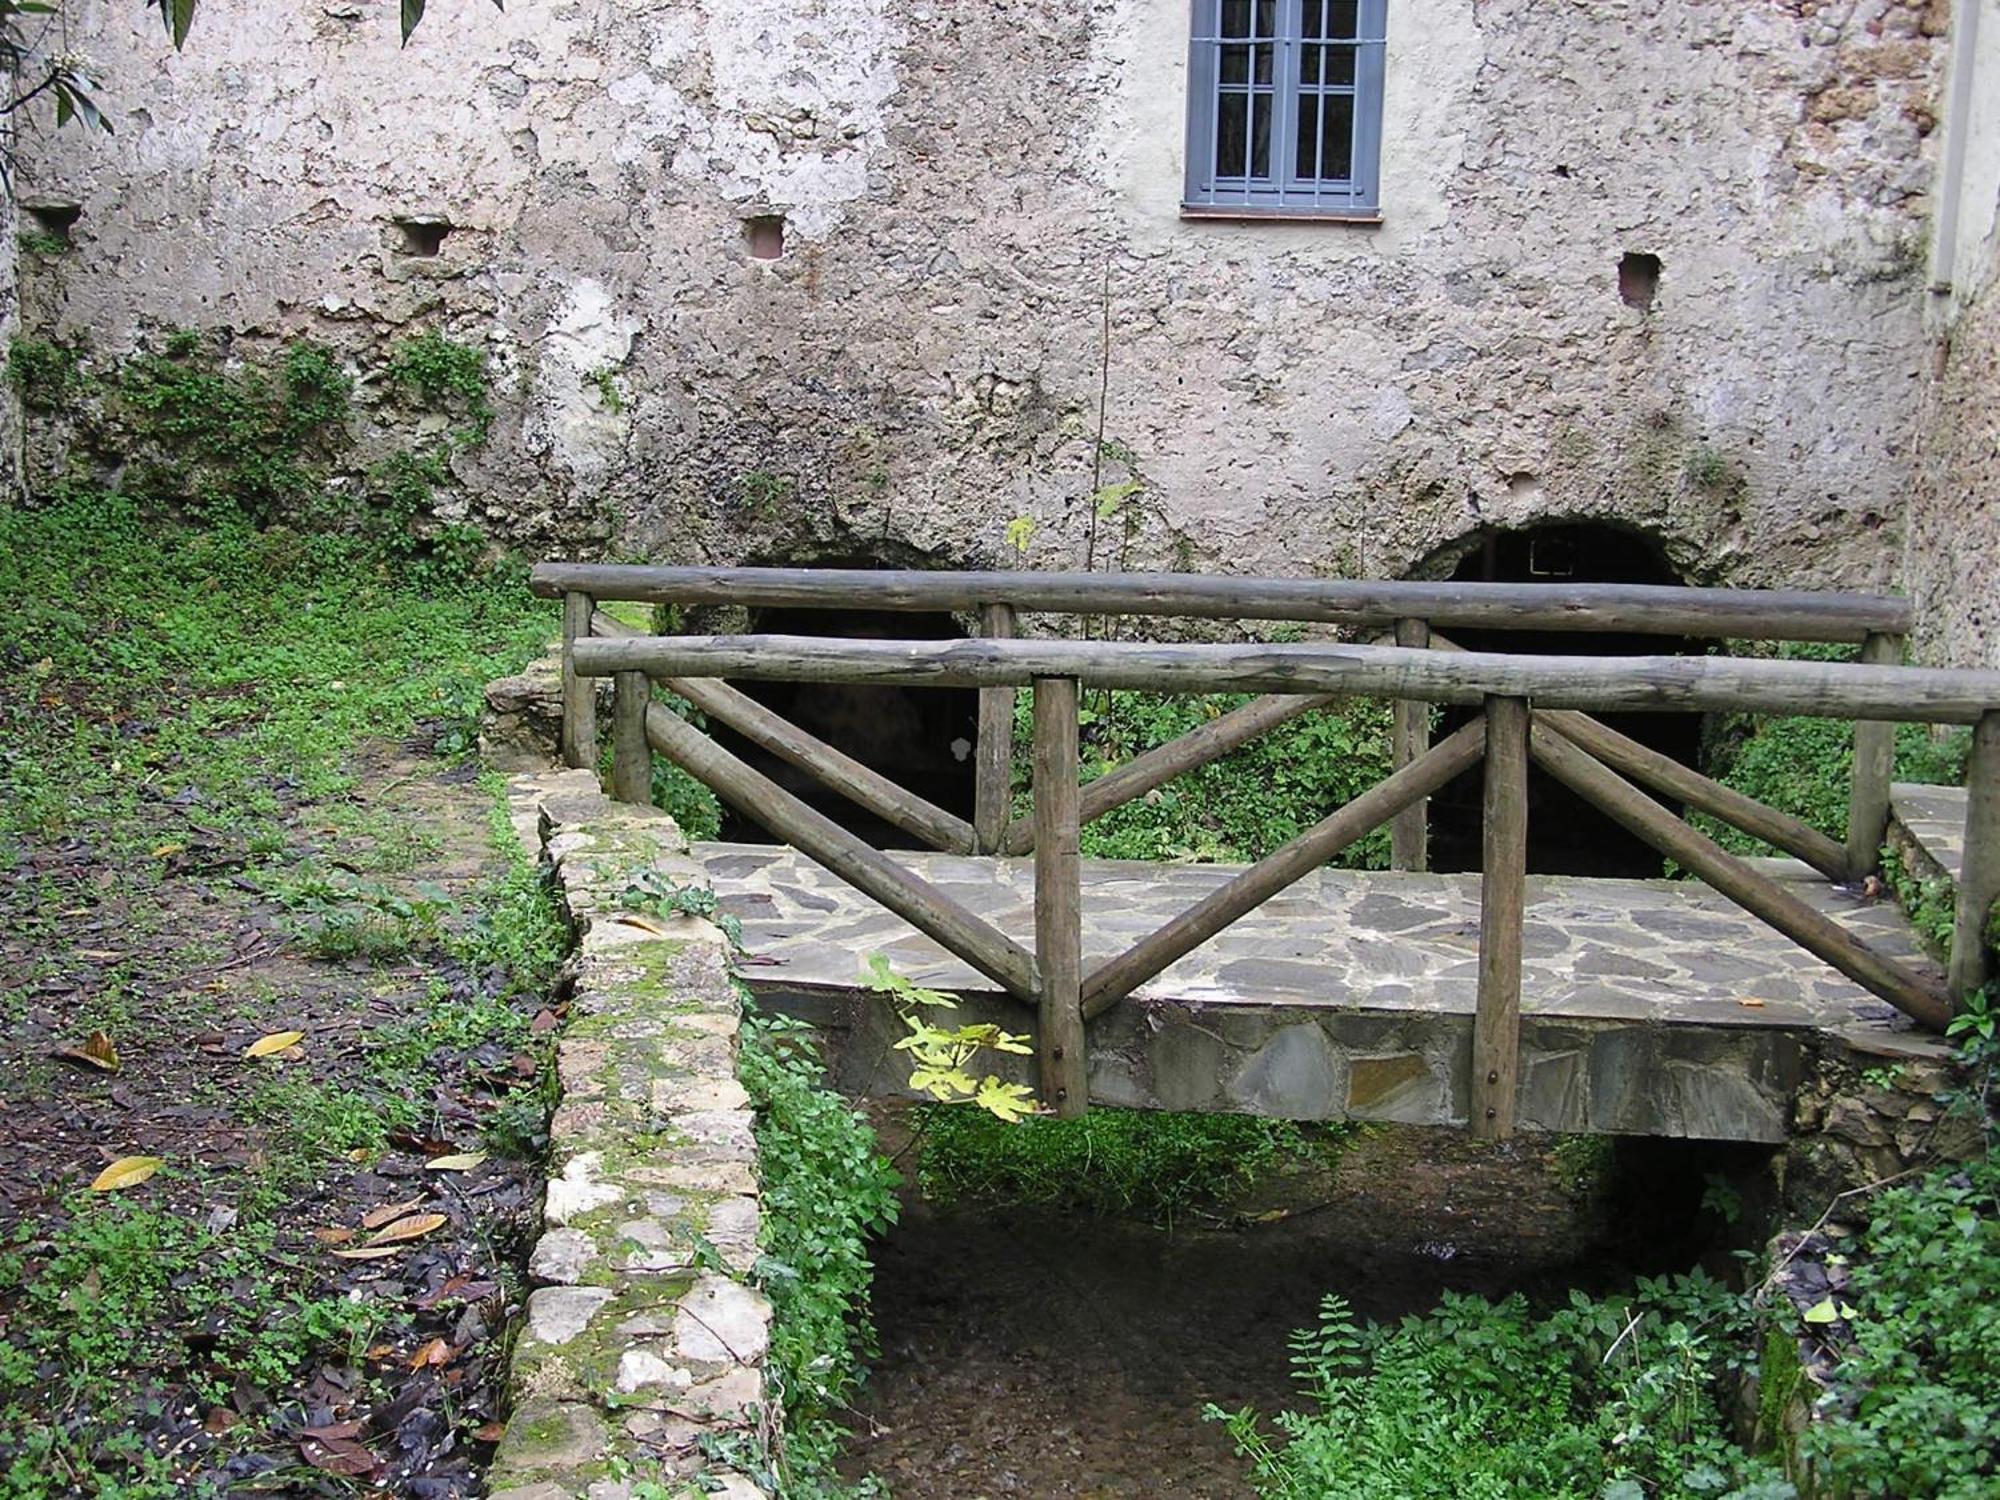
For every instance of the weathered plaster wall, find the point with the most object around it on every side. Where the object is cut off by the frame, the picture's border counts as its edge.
(1952, 565)
(982, 232)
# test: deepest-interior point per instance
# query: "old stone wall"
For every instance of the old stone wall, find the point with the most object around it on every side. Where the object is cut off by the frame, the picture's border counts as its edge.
(645, 1339)
(981, 234)
(1953, 559)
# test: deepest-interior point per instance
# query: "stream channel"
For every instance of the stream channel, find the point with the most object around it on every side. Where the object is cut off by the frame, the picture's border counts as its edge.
(1040, 1353)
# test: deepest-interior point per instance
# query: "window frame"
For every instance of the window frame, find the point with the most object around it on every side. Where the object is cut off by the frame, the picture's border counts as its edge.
(1284, 195)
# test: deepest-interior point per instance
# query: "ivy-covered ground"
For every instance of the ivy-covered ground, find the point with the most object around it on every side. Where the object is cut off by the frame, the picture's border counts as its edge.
(273, 977)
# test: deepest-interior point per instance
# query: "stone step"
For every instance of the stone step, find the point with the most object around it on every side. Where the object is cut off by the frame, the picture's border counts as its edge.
(1931, 820)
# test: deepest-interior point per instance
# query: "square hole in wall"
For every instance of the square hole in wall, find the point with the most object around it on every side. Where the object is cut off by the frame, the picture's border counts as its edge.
(765, 235)
(1638, 279)
(422, 238)
(57, 220)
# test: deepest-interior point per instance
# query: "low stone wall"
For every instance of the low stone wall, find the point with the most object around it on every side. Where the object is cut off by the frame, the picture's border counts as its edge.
(645, 1340)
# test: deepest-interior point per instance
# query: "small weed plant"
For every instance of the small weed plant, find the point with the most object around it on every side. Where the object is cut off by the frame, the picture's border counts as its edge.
(941, 1057)
(1613, 1399)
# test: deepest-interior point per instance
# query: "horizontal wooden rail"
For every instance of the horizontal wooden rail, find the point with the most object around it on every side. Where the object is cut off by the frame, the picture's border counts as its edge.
(1674, 684)
(1756, 614)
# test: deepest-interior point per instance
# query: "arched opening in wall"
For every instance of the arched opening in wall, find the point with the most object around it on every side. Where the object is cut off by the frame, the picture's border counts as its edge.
(920, 738)
(1566, 835)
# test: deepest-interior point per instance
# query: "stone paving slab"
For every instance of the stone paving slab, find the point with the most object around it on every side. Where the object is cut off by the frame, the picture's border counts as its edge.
(1934, 819)
(1655, 951)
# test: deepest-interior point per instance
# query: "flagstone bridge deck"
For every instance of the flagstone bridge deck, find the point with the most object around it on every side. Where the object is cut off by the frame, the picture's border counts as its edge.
(1650, 1007)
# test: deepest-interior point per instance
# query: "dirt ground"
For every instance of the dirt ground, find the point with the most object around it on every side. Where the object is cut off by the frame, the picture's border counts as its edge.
(210, 1329)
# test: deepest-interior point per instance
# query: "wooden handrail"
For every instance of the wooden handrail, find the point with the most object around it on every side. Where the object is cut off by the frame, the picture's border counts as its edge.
(1532, 708)
(1673, 684)
(1708, 613)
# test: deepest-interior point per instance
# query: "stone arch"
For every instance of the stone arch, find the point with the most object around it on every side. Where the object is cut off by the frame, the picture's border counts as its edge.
(920, 737)
(1566, 836)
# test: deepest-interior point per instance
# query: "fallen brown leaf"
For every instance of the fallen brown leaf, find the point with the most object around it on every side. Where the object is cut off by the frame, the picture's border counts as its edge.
(414, 1227)
(375, 1218)
(340, 1456)
(436, 1352)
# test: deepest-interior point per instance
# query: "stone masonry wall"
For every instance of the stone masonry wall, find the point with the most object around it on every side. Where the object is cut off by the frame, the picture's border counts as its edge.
(981, 226)
(1952, 565)
(644, 1337)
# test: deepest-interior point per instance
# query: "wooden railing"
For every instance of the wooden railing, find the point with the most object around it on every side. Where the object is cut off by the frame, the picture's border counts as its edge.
(1533, 708)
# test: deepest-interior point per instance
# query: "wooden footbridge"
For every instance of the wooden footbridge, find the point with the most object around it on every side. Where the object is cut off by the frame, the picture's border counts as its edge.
(1288, 987)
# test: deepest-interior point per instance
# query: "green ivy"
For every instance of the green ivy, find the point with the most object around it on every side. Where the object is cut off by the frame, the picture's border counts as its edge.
(225, 442)
(826, 1192)
(448, 376)
(47, 376)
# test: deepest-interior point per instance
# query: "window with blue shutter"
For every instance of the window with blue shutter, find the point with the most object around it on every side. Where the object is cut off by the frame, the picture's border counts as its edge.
(1285, 108)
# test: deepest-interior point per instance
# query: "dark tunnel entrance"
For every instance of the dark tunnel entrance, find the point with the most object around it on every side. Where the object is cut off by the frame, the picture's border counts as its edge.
(920, 738)
(1566, 835)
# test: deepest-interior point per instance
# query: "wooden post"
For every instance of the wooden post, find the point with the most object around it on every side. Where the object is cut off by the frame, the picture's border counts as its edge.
(579, 694)
(1409, 835)
(1979, 876)
(1496, 1028)
(1874, 766)
(631, 755)
(993, 755)
(1059, 899)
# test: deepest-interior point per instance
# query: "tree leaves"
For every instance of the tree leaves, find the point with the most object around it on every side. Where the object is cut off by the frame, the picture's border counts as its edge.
(277, 1041)
(178, 16)
(414, 1227)
(127, 1171)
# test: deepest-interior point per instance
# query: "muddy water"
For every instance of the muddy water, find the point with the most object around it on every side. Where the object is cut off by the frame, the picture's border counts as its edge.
(1056, 1355)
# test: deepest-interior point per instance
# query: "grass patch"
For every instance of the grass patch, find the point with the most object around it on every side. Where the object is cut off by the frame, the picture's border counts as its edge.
(1141, 1164)
(227, 670)
(1239, 808)
(193, 713)
(1805, 766)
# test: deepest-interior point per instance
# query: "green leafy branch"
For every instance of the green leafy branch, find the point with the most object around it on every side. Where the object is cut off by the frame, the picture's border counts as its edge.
(941, 1055)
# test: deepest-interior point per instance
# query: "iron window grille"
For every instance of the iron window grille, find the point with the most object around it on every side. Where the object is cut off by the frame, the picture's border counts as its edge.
(1285, 108)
